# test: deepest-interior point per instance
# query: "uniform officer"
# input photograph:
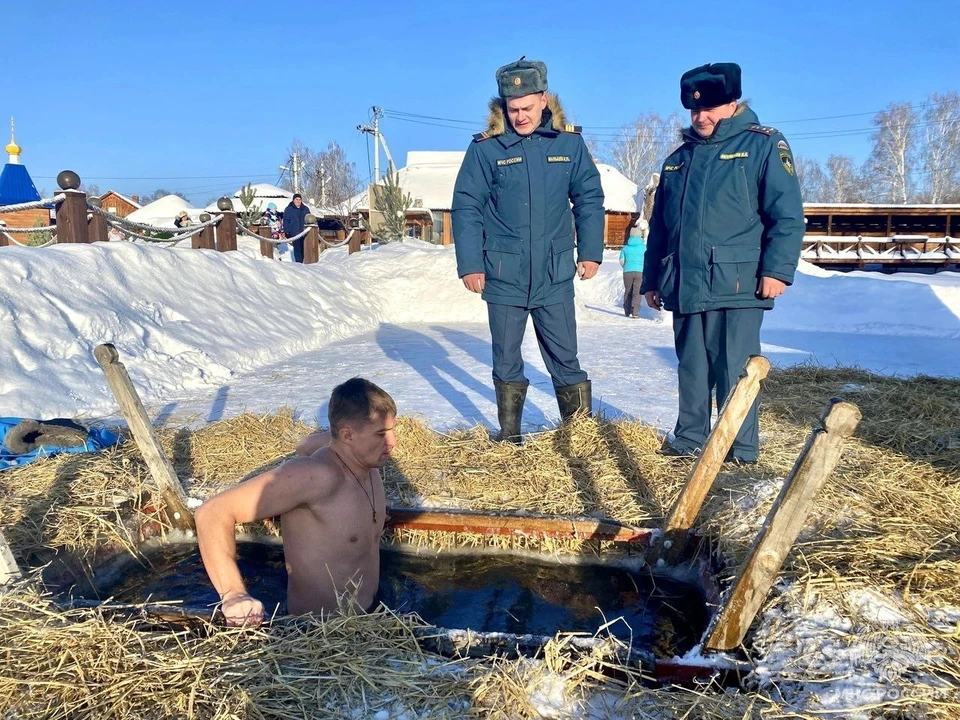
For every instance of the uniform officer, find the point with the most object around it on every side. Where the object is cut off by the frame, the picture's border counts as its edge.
(724, 241)
(513, 227)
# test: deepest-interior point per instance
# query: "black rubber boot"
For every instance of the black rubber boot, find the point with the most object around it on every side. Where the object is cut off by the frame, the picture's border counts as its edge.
(572, 398)
(510, 398)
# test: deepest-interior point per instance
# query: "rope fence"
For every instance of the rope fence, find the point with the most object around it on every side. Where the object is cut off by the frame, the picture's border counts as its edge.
(36, 205)
(80, 221)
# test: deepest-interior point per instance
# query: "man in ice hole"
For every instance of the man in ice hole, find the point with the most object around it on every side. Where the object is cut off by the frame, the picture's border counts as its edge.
(331, 504)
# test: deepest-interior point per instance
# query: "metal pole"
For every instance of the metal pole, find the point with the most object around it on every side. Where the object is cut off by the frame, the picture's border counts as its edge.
(376, 145)
(296, 172)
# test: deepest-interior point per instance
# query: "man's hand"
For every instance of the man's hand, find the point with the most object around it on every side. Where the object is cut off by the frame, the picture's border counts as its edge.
(241, 609)
(587, 269)
(653, 299)
(769, 288)
(474, 282)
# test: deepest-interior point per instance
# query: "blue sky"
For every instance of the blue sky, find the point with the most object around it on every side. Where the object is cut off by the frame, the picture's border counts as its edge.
(203, 96)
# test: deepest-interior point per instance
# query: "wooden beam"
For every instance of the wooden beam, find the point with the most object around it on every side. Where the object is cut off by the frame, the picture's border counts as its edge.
(144, 435)
(497, 524)
(97, 229)
(786, 518)
(704, 471)
(9, 570)
(311, 245)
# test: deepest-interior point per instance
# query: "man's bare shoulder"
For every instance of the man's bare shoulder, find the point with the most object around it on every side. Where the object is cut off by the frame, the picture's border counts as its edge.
(317, 475)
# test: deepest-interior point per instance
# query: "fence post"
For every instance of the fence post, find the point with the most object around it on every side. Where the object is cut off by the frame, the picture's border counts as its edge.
(356, 237)
(203, 241)
(227, 229)
(72, 210)
(311, 243)
(97, 225)
(266, 249)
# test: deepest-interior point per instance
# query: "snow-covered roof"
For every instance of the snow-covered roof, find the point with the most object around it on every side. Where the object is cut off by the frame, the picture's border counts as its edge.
(122, 197)
(263, 195)
(164, 211)
(429, 177)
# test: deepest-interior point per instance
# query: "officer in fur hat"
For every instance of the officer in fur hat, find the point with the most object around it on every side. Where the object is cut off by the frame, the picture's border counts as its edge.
(724, 242)
(513, 226)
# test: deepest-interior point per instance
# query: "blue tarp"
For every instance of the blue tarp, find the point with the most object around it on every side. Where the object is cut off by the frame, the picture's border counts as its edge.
(97, 438)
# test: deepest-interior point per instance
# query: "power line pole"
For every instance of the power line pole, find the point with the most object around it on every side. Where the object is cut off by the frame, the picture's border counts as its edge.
(376, 144)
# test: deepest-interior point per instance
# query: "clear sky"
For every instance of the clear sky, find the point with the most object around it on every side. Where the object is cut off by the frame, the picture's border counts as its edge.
(202, 96)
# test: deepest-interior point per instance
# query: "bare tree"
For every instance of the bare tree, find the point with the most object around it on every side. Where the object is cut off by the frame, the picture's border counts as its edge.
(640, 147)
(843, 184)
(940, 156)
(891, 164)
(813, 180)
(327, 179)
(159, 193)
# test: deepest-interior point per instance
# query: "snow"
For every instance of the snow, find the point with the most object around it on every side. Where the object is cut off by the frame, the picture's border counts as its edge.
(263, 195)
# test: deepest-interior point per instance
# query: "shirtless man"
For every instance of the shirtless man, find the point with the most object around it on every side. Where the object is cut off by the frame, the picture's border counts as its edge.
(331, 505)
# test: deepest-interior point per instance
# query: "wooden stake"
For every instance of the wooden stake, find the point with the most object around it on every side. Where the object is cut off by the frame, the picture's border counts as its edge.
(204, 240)
(9, 570)
(705, 469)
(145, 437)
(816, 463)
(97, 229)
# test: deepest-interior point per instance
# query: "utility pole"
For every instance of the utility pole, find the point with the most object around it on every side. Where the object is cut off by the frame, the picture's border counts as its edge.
(377, 139)
(295, 167)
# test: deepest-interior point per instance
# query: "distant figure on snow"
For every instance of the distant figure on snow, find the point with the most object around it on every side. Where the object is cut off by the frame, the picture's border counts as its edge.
(631, 259)
(294, 221)
(182, 220)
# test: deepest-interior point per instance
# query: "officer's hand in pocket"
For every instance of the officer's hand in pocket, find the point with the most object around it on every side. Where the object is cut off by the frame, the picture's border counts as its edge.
(473, 282)
(587, 269)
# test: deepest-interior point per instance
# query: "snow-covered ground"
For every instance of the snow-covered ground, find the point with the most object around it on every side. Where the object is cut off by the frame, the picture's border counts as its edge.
(206, 335)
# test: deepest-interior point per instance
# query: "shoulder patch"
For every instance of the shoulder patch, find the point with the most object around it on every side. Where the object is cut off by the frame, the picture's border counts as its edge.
(482, 136)
(762, 129)
(782, 145)
(573, 129)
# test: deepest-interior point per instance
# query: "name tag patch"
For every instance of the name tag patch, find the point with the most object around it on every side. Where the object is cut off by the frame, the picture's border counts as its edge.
(558, 158)
(672, 168)
(510, 161)
(734, 156)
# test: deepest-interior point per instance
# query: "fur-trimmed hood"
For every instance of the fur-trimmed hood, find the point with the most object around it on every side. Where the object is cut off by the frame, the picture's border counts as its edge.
(497, 120)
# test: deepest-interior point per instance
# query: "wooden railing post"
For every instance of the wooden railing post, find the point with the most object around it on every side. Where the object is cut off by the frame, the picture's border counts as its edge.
(311, 243)
(816, 463)
(204, 240)
(356, 237)
(72, 210)
(227, 228)
(97, 225)
(145, 437)
(704, 471)
(266, 248)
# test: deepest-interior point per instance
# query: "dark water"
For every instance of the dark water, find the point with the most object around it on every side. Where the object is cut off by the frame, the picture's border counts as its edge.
(482, 592)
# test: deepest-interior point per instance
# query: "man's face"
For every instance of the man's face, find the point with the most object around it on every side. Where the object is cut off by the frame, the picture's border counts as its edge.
(297, 202)
(373, 441)
(526, 113)
(705, 120)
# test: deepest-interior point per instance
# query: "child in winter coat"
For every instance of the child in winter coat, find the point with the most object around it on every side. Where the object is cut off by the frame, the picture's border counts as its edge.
(631, 259)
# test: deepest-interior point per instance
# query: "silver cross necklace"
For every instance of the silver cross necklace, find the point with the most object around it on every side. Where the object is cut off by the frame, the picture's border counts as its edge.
(373, 507)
